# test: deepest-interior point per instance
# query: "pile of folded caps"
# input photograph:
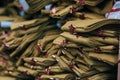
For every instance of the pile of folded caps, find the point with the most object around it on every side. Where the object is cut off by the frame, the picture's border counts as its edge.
(58, 40)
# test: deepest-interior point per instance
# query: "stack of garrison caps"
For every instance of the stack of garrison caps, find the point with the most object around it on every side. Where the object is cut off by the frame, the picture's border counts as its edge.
(59, 40)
